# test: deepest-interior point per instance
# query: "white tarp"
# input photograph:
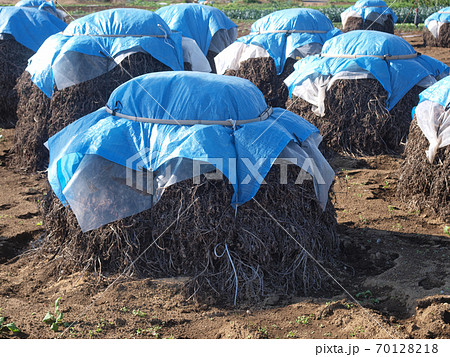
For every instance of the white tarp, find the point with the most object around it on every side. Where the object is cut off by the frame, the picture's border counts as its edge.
(434, 121)
(238, 52)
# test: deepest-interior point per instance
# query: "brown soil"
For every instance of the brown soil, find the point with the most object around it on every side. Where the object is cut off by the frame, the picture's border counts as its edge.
(356, 120)
(263, 73)
(39, 117)
(13, 60)
(424, 186)
(357, 23)
(443, 39)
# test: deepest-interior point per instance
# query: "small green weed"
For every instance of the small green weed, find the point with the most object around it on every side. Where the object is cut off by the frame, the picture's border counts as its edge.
(348, 306)
(55, 320)
(138, 313)
(8, 327)
(356, 331)
(263, 331)
(362, 219)
(152, 331)
(291, 334)
(304, 320)
(447, 230)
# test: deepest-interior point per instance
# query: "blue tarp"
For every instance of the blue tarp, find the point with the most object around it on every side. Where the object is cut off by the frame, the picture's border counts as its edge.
(40, 4)
(443, 15)
(365, 7)
(195, 21)
(177, 96)
(29, 26)
(396, 76)
(281, 45)
(438, 92)
(90, 35)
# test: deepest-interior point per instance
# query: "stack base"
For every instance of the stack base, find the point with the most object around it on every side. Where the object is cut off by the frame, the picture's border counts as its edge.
(263, 257)
(39, 117)
(13, 61)
(443, 39)
(423, 186)
(357, 23)
(263, 73)
(356, 120)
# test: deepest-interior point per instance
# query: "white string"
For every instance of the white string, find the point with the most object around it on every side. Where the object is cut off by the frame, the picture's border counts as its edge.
(232, 265)
(387, 7)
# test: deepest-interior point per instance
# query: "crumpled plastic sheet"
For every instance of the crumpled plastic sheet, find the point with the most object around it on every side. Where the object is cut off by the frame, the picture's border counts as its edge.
(433, 116)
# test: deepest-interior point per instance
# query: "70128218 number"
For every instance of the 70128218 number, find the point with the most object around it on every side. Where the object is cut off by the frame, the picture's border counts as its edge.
(407, 348)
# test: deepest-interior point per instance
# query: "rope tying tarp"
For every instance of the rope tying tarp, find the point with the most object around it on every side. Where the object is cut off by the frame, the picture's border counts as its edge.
(384, 57)
(230, 122)
(103, 35)
(287, 31)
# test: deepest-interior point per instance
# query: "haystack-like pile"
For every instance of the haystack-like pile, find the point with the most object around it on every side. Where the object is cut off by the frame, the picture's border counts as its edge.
(275, 43)
(214, 231)
(263, 73)
(39, 117)
(443, 40)
(13, 61)
(424, 186)
(265, 258)
(357, 23)
(356, 119)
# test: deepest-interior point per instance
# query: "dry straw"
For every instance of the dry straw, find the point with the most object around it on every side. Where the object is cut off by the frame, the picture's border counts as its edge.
(219, 249)
(424, 186)
(13, 61)
(356, 120)
(263, 73)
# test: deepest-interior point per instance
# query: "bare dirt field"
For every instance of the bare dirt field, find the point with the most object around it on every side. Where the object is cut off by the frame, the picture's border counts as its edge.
(395, 263)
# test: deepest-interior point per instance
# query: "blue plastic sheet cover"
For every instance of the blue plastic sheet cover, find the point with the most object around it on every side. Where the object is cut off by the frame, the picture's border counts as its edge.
(281, 45)
(199, 22)
(443, 15)
(95, 35)
(365, 7)
(438, 92)
(179, 96)
(40, 4)
(396, 76)
(29, 26)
